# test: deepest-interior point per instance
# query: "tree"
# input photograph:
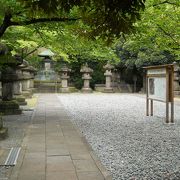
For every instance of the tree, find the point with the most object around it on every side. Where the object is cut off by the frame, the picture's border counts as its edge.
(106, 18)
(156, 40)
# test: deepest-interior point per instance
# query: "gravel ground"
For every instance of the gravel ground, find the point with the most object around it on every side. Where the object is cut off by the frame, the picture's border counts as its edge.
(129, 144)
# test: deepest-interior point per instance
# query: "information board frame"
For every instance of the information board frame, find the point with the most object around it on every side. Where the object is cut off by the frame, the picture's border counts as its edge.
(166, 72)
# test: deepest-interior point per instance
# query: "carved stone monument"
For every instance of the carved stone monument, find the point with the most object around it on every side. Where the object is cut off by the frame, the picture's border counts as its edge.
(64, 75)
(108, 74)
(86, 76)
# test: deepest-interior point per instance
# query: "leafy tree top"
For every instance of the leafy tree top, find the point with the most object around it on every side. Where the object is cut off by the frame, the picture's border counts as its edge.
(107, 18)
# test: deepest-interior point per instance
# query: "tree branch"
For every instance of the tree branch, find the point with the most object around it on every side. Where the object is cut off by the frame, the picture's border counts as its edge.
(7, 21)
(29, 53)
(42, 20)
(5, 24)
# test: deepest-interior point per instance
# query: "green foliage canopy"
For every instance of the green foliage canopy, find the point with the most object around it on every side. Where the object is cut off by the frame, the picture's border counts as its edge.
(107, 18)
(157, 38)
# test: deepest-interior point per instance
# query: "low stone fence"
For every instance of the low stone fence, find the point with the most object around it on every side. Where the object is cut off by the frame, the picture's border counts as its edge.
(121, 88)
(47, 86)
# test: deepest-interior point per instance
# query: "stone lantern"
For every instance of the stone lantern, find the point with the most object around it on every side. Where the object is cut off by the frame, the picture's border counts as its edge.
(108, 74)
(33, 72)
(176, 79)
(17, 85)
(86, 71)
(64, 75)
(46, 72)
(26, 89)
(8, 76)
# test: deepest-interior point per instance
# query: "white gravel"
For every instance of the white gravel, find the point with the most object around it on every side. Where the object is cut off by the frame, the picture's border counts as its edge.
(129, 144)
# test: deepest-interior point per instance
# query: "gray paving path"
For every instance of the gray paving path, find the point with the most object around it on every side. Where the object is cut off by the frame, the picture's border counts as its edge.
(53, 149)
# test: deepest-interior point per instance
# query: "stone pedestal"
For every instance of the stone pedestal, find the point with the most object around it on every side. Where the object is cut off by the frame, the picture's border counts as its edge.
(7, 105)
(108, 74)
(18, 93)
(32, 83)
(26, 82)
(17, 88)
(86, 71)
(64, 88)
(64, 75)
(32, 72)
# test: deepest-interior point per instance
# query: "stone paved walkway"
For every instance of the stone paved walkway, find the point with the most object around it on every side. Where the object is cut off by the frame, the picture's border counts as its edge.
(53, 149)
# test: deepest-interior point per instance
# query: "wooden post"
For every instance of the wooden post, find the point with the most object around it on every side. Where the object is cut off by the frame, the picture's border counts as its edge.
(147, 98)
(167, 95)
(147, 107)
(151, 107)
(172, 95)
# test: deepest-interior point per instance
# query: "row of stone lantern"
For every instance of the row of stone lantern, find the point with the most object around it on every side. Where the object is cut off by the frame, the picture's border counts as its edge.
(23, 87)
(17, 84)
(86, 76)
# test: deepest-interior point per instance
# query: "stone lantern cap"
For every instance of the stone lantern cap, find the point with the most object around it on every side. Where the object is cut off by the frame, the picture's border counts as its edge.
(65, 69)
(28, 72)
(32, 69)
(64, 72)
(28, 69)
(46, 53)
(86, 69)
(24, 64)
(108, 66)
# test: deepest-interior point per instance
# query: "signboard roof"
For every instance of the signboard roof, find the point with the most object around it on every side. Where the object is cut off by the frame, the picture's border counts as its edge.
(159, 66)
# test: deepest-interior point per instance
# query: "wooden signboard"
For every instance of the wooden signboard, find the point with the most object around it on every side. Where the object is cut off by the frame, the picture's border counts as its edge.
(159, 87)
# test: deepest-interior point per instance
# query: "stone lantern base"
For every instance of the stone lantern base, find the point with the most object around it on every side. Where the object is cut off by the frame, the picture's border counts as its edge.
(177, 93)
(108, 90)
(9, 107)
(21, 100)
(27, 94)
(64, 90)
(86, 90)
